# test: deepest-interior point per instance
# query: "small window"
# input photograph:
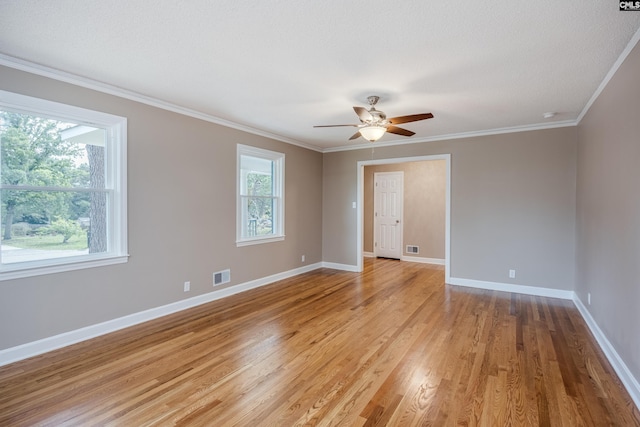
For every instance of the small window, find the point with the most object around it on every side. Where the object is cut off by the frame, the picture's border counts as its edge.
(62, 187)
(260, 210)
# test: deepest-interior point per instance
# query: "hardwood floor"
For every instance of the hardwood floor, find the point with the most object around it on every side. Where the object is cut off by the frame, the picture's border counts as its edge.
(391, 346)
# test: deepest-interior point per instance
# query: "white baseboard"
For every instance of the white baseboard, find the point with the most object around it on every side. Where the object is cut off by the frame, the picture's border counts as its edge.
(345, 267)
(437, 261)
(55, 342)
(508, 287)
(421, 260)
(625, 375)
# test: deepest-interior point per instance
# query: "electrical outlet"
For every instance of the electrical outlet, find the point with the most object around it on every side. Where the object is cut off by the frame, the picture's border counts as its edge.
(512, 274)
(302, 258)
(187, 286)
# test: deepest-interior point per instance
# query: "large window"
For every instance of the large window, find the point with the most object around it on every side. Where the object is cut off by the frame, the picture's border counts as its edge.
(62, 187)
(260, 208)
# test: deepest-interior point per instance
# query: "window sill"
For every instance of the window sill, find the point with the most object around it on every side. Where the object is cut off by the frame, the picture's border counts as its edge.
(259, 240)
(10, 272)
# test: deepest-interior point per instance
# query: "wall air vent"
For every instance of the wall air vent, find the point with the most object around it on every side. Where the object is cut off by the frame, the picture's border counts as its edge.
(221, 277)
(412, 249)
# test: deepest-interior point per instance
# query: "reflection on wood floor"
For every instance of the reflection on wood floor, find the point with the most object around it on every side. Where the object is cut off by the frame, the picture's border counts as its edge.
(391, 346)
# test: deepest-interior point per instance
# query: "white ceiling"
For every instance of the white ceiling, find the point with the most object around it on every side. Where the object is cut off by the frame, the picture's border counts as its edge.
(281, 66)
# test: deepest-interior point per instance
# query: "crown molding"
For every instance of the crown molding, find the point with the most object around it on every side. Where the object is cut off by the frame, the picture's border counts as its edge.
(614, 69)
(63, 76)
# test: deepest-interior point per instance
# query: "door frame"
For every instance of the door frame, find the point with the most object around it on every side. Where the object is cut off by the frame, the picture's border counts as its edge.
(360, 205)
(376, 219)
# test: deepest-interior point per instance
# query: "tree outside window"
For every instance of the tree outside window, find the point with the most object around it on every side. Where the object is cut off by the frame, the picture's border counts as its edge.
(42, 162)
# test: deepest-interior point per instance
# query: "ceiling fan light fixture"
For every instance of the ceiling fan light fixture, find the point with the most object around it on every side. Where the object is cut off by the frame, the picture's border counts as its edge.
(372, 133)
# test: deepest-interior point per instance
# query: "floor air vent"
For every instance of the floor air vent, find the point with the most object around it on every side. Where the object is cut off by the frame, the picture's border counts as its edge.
(221, 277)
(412, 249)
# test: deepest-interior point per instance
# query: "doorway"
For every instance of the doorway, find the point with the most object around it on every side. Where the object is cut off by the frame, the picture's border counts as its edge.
(361, 207)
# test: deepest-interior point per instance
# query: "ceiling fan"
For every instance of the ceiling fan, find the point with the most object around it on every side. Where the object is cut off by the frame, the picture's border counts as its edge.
(374, 123)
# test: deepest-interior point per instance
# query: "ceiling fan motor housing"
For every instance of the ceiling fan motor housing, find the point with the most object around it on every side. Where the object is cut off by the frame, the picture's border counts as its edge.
(377, 115)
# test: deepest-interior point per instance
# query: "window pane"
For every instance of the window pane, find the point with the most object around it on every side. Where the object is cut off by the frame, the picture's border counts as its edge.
(258, 185)
(257, 176)
(258, 216)
(39, 225)
(37, 151)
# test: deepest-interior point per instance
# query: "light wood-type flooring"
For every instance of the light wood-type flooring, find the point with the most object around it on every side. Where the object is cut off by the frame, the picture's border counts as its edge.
(391, 346)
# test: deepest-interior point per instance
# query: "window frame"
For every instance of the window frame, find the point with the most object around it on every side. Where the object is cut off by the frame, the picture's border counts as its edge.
(278, 183)
(115, 128)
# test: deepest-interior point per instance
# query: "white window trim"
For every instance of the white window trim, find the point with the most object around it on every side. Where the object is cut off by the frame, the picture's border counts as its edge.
(116, 128)
(278, 159)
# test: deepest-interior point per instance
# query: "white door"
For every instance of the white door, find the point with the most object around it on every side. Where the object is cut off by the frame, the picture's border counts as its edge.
(387, 221)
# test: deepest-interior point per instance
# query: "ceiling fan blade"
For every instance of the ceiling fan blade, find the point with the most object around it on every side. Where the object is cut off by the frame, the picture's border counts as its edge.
(399, 131)
(363, 113)
(411, 118)
(355, 136)
(334, 126)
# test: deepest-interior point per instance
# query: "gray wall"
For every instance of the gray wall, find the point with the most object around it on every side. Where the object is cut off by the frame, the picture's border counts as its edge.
(608, 211)
(512, 205)
(181, 200)
(424, 206)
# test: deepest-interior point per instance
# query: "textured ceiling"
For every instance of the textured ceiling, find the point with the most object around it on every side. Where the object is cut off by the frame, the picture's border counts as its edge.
(282, 66)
